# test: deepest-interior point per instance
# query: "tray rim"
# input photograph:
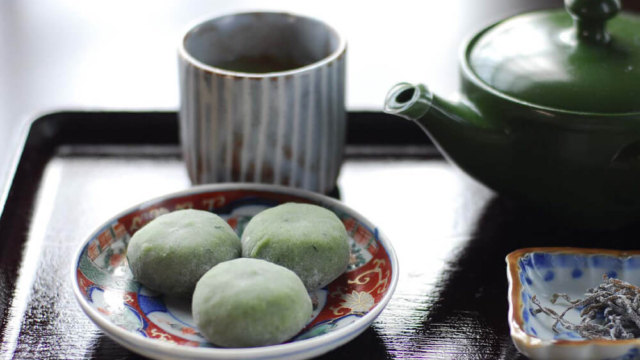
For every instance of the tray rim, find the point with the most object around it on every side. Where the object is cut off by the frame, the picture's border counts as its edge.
(28, 123)
(14, 161)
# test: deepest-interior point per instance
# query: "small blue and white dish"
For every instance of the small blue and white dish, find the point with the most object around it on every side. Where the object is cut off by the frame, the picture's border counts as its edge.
(545, 271)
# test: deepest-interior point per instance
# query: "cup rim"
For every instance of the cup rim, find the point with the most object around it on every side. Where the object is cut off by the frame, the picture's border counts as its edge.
(337, 53)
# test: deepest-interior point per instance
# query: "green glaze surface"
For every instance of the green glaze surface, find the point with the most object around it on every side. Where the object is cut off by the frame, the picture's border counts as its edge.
(540, 58)
(308, 239)
(250, 302)
(554, 124)
(590, 18)
(173, 251)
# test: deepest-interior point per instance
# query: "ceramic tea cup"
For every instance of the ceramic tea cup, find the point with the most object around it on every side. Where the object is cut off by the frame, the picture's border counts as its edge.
(262, 100)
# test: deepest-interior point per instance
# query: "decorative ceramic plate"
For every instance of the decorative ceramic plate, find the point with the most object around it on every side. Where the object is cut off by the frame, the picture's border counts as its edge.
(161, 327)
(545, 271)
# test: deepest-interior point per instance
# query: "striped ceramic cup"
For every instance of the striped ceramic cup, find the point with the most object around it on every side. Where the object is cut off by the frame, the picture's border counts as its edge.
(262, 100)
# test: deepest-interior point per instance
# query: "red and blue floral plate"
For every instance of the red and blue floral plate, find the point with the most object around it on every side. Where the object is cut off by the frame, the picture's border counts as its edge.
(161, 327)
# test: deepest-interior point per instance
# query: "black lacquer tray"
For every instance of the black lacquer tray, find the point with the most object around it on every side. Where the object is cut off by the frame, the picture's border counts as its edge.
(77, 169)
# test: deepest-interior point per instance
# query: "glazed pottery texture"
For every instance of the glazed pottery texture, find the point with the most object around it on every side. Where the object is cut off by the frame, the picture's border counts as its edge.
(161, 327)
(562, 133)
(545, 271)
(262, 100)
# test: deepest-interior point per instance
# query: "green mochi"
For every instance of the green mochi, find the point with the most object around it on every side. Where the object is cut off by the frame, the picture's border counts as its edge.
(307, 239)
(172, 252)
(250, 302)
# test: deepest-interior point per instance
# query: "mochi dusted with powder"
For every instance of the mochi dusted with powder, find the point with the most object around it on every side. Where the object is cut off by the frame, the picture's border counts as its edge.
(249, 303)
(307, 239)
(172, 252)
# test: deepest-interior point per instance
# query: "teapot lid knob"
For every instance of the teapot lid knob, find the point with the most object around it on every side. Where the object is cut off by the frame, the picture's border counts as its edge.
(590, 17)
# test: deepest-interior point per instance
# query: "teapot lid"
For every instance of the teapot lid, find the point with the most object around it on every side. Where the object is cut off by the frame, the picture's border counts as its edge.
(575, 60)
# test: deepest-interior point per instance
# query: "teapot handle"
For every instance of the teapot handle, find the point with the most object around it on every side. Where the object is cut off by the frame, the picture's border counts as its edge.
(590, 17)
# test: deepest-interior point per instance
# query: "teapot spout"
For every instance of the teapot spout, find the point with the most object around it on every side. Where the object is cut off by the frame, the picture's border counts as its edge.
(417, 103)
(408, 101)
(466, 136)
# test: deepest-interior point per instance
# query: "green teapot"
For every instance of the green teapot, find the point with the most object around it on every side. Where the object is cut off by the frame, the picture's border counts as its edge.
(549, 111)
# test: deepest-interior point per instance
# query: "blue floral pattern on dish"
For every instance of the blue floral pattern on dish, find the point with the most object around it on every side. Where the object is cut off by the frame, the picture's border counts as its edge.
(543, 274)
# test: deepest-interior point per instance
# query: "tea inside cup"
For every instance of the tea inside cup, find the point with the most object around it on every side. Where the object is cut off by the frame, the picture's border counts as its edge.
(261, 42)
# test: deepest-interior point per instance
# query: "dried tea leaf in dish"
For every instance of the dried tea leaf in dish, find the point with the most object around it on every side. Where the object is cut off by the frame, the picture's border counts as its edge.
(250, 302)
(609, 311)
(173, 251)
(307, 239)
